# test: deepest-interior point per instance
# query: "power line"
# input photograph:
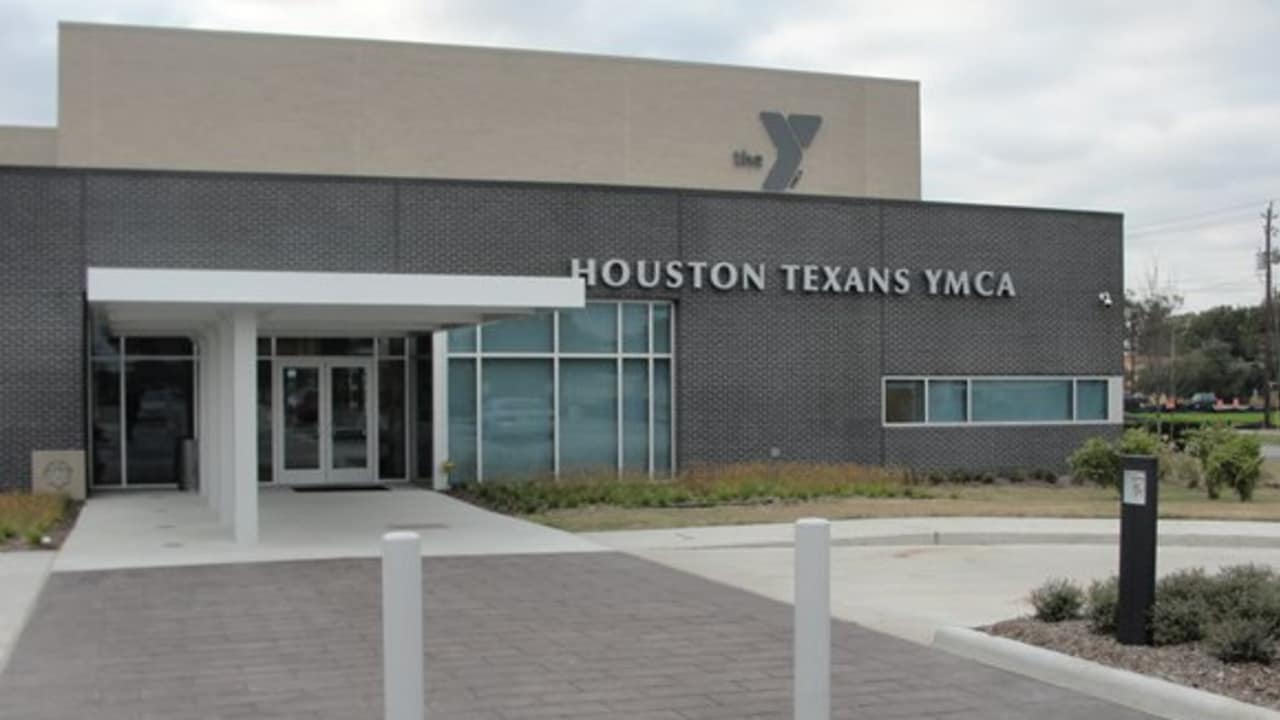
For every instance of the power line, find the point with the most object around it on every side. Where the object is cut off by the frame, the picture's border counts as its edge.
(1193, 216)
(1189, 227)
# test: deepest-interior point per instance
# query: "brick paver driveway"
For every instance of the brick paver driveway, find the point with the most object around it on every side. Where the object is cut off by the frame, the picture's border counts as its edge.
(549, 636)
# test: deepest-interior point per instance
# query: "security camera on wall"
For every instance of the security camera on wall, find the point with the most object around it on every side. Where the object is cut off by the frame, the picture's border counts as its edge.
(1104, 298)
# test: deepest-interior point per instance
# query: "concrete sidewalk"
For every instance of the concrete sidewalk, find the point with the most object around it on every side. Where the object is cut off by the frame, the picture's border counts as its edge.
(891, 575)
(121, 530)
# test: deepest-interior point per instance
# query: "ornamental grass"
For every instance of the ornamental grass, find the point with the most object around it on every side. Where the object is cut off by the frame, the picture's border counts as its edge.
(30, 517)
(698, 486)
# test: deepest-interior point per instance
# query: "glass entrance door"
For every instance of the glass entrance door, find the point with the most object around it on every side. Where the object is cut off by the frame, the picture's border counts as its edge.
(323, 420)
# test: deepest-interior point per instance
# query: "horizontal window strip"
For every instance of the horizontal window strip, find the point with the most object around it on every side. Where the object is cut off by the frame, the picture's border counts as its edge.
(995, 400)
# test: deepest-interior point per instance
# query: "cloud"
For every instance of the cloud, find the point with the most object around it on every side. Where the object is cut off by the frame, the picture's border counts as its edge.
(1158, 111)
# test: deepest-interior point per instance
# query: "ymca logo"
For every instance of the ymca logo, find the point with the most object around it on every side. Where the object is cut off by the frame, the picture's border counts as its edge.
(790, 135)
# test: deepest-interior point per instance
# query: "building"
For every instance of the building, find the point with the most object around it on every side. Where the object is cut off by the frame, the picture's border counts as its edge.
(343, 261)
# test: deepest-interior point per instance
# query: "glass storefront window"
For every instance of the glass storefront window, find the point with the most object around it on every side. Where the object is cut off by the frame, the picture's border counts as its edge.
(391, 425)
(948, 400)
(173, 346)
(324, 346)
(516, 418)
(635, 416)
(103, 344)
(593, 329)
(265, 461)
(1091, 398)
(425, 435)
(159, 410)
(106, 422)
(462, 420)
(391, 346)
(662, 417)
(661, 328)
(589, 414)
(635, 328)
(522, 335)
(904, 401)
(522, 437)
(462, 339)
(1021, 400)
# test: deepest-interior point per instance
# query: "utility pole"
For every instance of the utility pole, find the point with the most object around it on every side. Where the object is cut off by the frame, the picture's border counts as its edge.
(1268, 318)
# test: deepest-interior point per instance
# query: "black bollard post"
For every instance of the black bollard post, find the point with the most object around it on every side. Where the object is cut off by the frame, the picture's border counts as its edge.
(1139, 504)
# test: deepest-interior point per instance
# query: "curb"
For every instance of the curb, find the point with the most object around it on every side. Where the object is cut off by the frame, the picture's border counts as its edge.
(1204, 540)
(1139, 692)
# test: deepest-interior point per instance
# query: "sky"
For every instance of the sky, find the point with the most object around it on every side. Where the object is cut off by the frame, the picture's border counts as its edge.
(1168, 112)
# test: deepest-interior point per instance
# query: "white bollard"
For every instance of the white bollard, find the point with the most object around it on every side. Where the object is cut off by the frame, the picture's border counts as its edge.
(813, 620)
(402, 682)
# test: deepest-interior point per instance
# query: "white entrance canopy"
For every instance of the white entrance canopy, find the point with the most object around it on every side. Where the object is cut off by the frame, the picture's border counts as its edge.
(226, 310)
(157, 302)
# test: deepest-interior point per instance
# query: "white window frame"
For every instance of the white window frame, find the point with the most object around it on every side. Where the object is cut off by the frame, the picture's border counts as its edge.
(970, 422)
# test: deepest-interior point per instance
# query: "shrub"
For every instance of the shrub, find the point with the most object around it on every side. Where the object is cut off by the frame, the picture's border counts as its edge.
(1181, 607)
(1201, 441)
(1235, 463)
(1182, 468)
(1057, 600)
(1137, 441)
(1238, 640)
(1096, 461)
(1249, 592)
(1100, 605)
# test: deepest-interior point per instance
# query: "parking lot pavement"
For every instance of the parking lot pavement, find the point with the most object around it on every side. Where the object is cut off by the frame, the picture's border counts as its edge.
(583, 635)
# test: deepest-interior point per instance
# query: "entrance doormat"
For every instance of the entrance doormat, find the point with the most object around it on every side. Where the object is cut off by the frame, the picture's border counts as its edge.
(358, 487)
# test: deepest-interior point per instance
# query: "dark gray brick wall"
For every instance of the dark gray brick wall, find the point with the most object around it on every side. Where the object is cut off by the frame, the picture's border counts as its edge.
(41, 311)
(242, 223)
(1059, 262)
(765, 369)
(989, 447)
(530, 230)
(755, 370)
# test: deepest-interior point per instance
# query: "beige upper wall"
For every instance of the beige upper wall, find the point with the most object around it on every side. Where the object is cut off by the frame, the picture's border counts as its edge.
(28, 145)
(134, 97)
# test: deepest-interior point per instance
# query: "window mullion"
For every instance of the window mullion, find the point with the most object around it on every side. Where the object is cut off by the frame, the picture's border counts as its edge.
(555, 394)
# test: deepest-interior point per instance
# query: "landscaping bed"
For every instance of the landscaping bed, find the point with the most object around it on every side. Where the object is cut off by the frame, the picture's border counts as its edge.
(1187, 664)
(35, 522)
(1219, 633)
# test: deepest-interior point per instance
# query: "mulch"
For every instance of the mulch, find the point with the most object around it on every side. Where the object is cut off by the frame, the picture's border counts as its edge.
(1187, 664)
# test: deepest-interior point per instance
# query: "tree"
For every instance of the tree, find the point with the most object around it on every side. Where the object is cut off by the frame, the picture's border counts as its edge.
(1150, 335)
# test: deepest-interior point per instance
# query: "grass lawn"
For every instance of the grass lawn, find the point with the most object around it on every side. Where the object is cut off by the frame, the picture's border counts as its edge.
(25, 519)
(1021, 500)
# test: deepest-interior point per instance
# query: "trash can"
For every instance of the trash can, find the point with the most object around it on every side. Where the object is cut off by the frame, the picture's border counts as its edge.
(188, 472)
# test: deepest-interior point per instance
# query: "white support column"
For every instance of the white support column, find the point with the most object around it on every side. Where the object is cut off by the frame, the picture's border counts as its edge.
(439, 408)
(243, 395)
(226, 424)
(204, 396)
(214, 404)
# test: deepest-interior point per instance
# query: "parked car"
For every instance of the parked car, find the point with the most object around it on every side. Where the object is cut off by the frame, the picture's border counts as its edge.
(1202, 402)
